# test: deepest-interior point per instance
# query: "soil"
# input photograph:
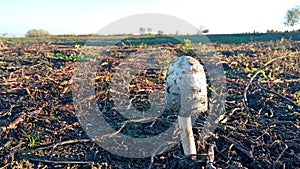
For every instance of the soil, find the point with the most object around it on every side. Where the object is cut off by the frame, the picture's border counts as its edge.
(40, 127)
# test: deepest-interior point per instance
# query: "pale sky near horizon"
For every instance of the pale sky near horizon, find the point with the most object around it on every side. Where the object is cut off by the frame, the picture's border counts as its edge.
(87, 16)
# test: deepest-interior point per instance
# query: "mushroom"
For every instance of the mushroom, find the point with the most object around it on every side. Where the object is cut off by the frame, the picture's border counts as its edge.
(186, 93)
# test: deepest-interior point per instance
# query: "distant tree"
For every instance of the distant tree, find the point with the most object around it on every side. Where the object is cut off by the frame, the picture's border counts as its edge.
(37, 33)
(292, 16)
(69, 35)
(149, 30)
(160, 32)
(142, 30)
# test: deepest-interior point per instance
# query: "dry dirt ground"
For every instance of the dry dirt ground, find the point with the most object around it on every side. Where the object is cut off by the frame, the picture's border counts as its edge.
(39, 127)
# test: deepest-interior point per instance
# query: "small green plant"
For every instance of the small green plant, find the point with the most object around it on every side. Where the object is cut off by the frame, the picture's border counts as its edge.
(26, 55)
(49, 55)
(187, 45)
(63, 57)
(297, 97)
(107, 79)
(247, 69)
(3, 63)
(212, 89)
(77, 46)
(127, 44)
(32, 138)
(143, 46)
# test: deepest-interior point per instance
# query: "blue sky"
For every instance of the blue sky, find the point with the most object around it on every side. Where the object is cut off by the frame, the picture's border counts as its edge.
(87, 16)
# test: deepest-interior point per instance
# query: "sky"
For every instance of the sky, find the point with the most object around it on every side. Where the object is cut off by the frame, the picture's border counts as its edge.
(90, 16)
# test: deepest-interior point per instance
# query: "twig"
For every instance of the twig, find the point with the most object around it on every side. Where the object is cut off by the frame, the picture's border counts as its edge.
(60, 162)
(54, 145)
(5, 166)
(269, 125)
(211, 155)
(123, 125)
(9, 112)
(246, 89)
(281, 81)
(14, 124)
(280, 155)
(71, 142)
(279, 95)
(239, 147)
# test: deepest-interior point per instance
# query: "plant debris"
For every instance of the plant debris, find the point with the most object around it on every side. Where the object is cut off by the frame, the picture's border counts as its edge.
(261, 127)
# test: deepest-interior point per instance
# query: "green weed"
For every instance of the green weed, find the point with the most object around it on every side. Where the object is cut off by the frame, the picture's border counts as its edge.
(297, 97)
(213, 89)
(143, 46)
(187, 45)
(32, 138)
(65, 58)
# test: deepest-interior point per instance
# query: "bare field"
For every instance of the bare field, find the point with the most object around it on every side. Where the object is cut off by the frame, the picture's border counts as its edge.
(39, 127)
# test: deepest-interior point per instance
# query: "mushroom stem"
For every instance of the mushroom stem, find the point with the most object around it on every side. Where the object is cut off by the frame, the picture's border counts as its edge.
(187, 138)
